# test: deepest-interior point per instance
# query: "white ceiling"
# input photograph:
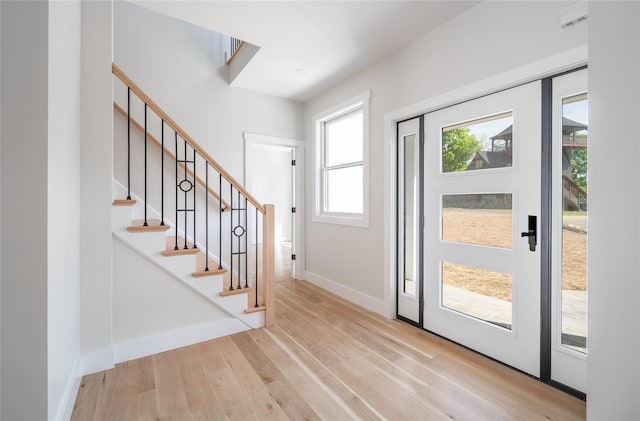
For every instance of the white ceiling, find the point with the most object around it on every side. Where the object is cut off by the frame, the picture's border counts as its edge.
(331, 40)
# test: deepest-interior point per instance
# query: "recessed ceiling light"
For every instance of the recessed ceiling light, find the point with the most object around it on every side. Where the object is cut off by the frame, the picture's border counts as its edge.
(299, 71)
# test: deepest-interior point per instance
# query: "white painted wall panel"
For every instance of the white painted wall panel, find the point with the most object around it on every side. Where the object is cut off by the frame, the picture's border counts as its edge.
(63, 228)
(95, 186)
(147, 300)
(614, 272)
(23, 187)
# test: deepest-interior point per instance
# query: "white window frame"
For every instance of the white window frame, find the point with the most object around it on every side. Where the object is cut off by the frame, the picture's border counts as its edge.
(320, 214)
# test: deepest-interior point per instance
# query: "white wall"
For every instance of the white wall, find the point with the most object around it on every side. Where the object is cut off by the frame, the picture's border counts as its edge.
(488, 39)
(181, 67)
(614, 269)
(63, 229)
(0, 214)
(148, 301)
(95, 186)
(23, 187)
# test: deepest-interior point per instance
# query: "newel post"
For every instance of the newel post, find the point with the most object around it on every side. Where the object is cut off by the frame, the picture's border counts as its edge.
(268, 264)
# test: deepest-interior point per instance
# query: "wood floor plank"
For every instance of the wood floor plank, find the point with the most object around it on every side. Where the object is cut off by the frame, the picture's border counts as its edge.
(227, 394)
(86, 401)
(112, 394)
(280, 388)
(170, 394)
(355, 403)
(261, 402)
(304, 382)
(325, 358)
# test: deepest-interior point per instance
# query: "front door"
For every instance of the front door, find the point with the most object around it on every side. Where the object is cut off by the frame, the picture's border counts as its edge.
(481, 222)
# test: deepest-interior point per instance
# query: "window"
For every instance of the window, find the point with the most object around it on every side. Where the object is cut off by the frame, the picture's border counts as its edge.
(341, 163)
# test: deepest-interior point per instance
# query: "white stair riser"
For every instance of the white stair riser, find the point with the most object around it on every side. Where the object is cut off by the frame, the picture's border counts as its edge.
(209, 286)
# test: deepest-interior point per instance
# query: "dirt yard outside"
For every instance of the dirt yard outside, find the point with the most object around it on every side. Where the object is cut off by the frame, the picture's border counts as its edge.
(494, 228)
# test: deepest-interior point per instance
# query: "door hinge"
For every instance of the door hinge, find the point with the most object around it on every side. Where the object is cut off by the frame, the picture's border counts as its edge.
(293, 210)
(293, 257)
(293, 162)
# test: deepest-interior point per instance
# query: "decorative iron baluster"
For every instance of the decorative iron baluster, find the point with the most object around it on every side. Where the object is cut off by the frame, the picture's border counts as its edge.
(128, 143)
(220, 223)
(185, 195)
(195, 246)
(146, 203)
(175, 247)
(206, 215)
(231, 238)
(246, 250)
(239, 236)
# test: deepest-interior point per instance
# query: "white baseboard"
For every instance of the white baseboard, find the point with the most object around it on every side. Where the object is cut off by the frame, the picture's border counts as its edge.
(70, 392)
(370, 303)
(92, 362)
(160, 342)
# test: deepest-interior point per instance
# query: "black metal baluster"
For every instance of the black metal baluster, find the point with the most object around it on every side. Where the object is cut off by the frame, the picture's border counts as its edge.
(185, 197)
(231, 238)
(246, 244)
(175, 247)
(162, 174)
(128, 143)
(220, 222)
(239, 244)
(256, 283)
(195, 246)
(146, 204)
(206, 215)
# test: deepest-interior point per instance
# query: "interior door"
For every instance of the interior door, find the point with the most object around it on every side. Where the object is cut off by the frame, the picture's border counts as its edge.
(409, 285)
(482, 202)
(570, 231)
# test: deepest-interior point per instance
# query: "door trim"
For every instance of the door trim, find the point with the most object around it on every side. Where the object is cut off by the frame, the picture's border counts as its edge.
(253, 139)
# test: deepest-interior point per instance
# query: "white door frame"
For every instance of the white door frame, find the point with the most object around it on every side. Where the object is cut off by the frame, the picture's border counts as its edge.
(251, 140)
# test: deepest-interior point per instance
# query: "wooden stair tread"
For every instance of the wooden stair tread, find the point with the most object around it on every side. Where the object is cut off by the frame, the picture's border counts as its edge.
(153, 226)
(124, 202)
(255, 309)
(180, 252)
(210, 272)
(236, 291)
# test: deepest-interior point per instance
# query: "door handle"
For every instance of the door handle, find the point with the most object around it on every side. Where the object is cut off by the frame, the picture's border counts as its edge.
(532, 232)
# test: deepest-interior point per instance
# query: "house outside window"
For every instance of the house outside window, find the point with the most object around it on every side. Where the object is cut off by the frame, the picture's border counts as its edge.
(342, 167)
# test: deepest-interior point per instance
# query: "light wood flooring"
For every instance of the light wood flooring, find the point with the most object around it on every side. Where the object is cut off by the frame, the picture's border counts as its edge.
(324, 359)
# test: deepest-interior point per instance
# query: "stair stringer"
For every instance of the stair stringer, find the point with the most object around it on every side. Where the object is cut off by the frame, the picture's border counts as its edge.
(150, 245)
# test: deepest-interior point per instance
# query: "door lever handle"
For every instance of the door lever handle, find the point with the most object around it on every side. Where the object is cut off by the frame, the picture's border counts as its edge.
(532, 233)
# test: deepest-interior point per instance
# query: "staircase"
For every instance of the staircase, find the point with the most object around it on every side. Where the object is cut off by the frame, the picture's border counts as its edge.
(179, 209)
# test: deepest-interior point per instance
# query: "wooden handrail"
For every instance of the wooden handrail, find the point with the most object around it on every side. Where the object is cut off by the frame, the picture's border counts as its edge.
(184, 135)
(235, 53)
(172, 156)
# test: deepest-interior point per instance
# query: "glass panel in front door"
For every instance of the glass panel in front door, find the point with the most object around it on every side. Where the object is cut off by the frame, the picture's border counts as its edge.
(409, 214)
(575, 114)
(569, 334)
(481, 181)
